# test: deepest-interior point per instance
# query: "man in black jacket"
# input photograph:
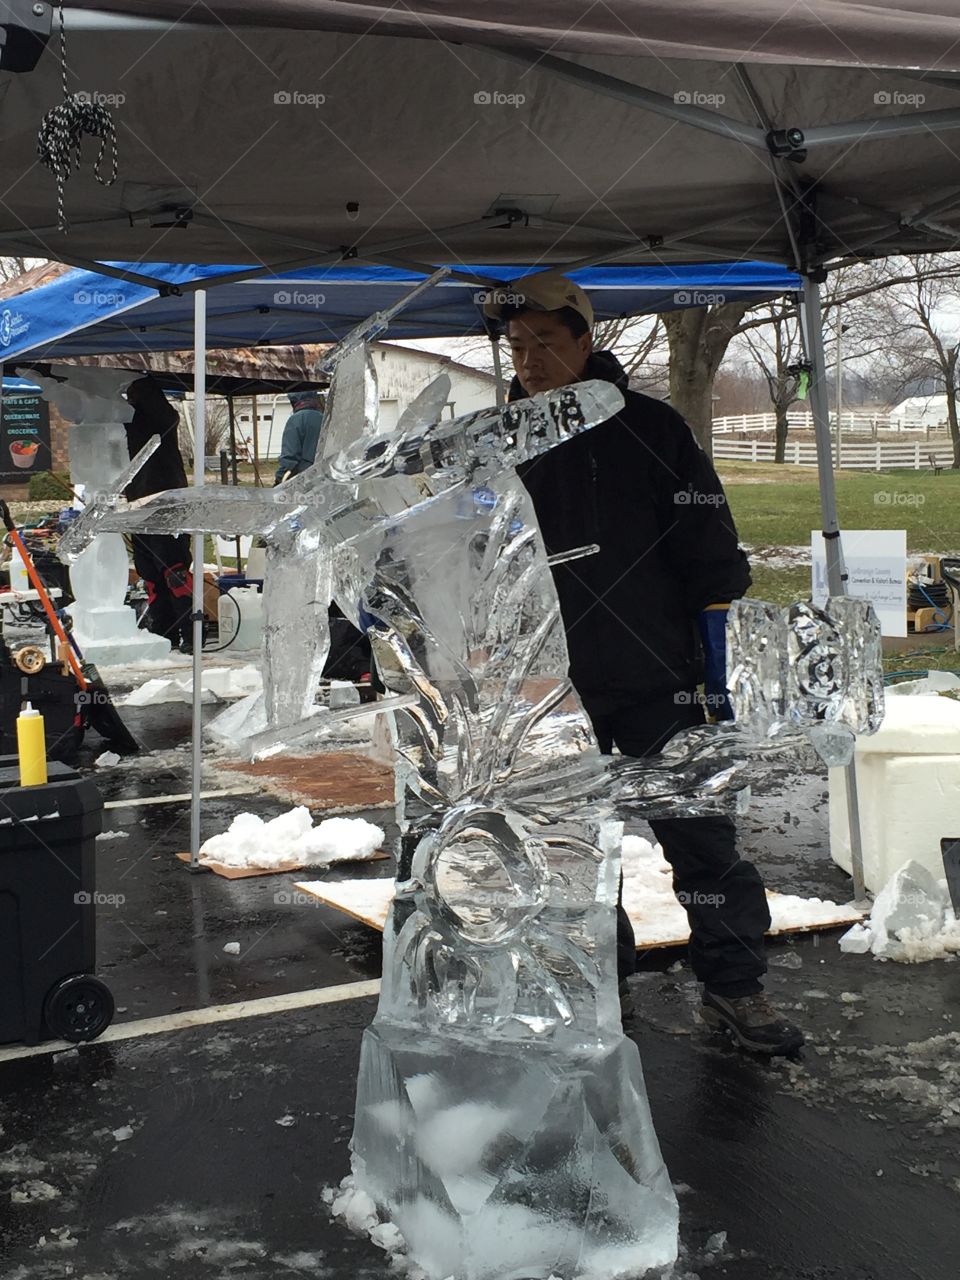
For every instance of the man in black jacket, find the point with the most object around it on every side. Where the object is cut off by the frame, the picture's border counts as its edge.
(641, 488)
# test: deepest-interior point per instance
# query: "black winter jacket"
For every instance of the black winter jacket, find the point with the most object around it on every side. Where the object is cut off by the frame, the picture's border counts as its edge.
(164, 469)
(641, 488)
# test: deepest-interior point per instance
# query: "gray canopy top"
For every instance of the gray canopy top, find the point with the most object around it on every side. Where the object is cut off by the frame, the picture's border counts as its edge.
(301, 132)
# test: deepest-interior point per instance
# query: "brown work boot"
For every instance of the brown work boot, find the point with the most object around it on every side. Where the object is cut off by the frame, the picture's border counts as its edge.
(753, 1022)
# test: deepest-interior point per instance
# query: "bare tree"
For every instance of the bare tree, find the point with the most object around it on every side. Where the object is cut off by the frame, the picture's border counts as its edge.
(919, 320)
(776, 348)
(698, 339)
(216, 428)
(11, 268)
(739, 388)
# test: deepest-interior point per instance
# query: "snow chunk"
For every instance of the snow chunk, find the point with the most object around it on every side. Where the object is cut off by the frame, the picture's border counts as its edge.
(911, 921)
(357, 1209)
(33, 1191)
(292, 838)
(232, 948)
(217, 683)
(106, 760)
(123, 1133)
(114, 835)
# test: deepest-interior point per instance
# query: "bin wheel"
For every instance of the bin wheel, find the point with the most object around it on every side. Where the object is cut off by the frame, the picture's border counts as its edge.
(78, 1008)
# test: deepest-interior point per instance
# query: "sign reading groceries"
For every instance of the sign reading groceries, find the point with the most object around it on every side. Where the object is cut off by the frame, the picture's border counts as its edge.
(24, 437)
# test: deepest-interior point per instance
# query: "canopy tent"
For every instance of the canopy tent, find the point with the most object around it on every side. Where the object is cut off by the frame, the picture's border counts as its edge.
(635, 131)
(83, 313)
(879, 32)
(638, 130)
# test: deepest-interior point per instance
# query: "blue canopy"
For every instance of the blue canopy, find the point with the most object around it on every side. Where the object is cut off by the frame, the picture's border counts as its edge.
(85, 313)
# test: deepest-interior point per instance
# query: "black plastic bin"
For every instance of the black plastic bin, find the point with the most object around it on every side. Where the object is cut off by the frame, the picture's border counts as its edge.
(57, 699)
(48, 908)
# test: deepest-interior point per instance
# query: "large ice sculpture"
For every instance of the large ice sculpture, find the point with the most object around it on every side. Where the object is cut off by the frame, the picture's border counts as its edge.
(104, 626)
(501, 1119)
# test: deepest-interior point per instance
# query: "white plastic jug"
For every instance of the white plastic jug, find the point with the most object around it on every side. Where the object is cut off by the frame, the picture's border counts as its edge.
(240, 618)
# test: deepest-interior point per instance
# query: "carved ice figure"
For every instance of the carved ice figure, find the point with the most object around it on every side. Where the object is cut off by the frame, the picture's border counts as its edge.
(501, 1120)
(90, 399)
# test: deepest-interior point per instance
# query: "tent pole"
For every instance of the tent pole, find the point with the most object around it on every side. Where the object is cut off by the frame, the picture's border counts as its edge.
(497, 369)
(233, 466)
(199, 449)
(812, 322)
(256, 440)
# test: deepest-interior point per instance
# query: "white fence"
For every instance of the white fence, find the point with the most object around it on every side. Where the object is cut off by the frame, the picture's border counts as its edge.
(881, 456)
(854, 421)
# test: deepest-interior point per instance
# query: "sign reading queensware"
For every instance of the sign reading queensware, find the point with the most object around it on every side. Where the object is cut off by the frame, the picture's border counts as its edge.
(24, 437)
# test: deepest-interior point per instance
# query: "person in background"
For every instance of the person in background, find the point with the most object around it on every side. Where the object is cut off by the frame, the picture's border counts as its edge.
(162, 560)
(298, 447)
(638, 616)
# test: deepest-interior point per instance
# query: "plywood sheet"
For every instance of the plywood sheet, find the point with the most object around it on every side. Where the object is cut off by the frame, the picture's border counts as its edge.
(369, 901)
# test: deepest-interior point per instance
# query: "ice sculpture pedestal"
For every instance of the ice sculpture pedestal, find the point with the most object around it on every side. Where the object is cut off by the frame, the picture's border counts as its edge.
(505, 1160)
(107, 631)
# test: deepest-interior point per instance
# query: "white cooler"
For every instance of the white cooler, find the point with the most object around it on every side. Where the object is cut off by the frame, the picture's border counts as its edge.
(908, 784)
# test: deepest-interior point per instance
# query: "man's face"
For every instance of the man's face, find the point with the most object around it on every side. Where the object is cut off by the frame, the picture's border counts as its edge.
(545, 353)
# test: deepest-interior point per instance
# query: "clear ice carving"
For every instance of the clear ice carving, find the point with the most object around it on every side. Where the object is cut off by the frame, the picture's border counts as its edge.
(104, 626)
(818, 671)
(501, 1118)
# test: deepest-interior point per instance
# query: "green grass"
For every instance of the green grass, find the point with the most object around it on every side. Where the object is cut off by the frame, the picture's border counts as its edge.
(780, 586)
(782, 512)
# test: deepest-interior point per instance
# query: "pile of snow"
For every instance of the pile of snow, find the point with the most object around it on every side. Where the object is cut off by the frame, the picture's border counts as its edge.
(912, 920)
(359, 1213)
(218, 683)
(659, 918)
(292, 838)
(937, 682)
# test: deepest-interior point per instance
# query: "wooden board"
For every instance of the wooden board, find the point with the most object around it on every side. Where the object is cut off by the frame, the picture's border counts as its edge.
(335, 781)
(369, 902)
(243, 873)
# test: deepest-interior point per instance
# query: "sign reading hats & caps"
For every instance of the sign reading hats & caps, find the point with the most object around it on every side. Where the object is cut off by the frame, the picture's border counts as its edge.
(24, 437)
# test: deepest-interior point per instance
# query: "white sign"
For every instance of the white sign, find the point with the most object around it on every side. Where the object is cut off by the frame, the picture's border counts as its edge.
(876, 562)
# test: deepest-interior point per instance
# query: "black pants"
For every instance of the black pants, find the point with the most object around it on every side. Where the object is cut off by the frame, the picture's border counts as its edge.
(723, 895)
(163, 562)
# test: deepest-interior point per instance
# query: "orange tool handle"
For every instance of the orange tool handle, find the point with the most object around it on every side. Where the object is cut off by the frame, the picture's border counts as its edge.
(41, 591)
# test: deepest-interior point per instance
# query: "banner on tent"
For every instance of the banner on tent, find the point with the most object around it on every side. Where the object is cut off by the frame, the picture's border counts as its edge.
(24, 437)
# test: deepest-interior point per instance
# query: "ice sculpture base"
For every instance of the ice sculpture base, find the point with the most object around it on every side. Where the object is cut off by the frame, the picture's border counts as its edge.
(501, 1160)
(116, 648)
(104, 626)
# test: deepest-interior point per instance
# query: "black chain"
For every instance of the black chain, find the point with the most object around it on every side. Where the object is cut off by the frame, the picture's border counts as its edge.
(63, 129)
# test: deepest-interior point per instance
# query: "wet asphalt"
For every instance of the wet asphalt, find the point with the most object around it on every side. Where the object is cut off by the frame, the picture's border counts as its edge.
(163, 1156)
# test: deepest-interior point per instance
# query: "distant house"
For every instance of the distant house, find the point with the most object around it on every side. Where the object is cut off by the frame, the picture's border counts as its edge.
(926, 411)
(402, 373)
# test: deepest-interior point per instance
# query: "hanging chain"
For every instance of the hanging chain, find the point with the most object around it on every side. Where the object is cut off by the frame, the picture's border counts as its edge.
(63, 129)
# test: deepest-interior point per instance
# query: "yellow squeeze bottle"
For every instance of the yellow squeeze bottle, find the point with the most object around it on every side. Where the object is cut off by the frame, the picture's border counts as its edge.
(31, 747)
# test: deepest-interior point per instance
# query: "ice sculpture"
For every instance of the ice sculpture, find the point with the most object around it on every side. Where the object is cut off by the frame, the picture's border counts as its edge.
(501, 1119)
(104, 626)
